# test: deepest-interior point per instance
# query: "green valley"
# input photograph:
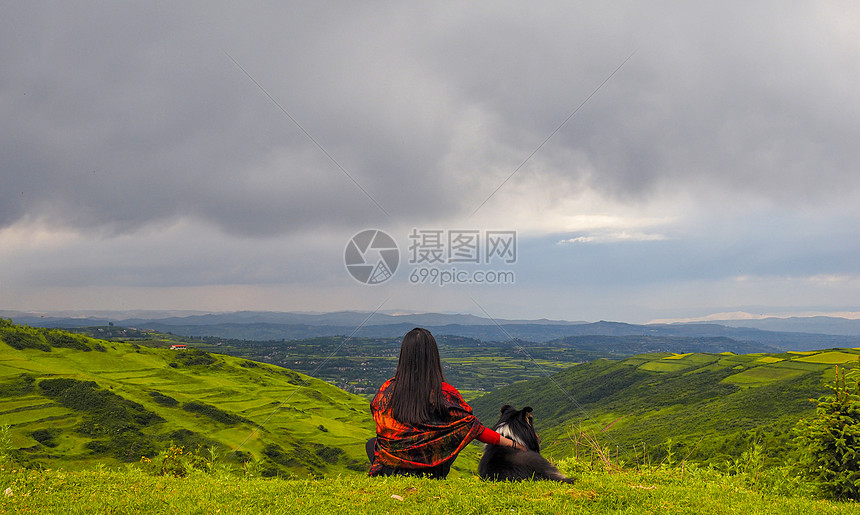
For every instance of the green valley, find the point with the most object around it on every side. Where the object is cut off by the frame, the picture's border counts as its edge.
(360, 364)
(73, 401)
(709, 408)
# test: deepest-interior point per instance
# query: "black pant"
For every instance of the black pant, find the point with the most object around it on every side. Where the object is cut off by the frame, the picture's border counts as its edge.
(440, 471)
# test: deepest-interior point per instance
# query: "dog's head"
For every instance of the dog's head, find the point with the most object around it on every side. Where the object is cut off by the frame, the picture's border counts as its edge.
(518, 425)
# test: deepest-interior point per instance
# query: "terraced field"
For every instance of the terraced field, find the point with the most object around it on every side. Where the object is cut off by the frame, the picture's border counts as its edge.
(832, 357)
(291, 422)
(711, 406)
(704, 407)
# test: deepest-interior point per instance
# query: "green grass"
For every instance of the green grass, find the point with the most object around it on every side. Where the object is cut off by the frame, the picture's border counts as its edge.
(830, 358)
(769, 359)
(679, 356)
(713, 407)
(659, 490)
(762, 375)
(801, 365)
(738, 359)
(257, 405)
(703, 402)
(658, 366)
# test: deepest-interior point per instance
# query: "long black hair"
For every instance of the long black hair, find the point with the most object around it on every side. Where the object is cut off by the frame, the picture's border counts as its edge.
(417, 392)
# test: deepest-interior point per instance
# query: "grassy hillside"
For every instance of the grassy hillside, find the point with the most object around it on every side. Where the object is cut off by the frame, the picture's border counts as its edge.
(360, 364)
(77, 414)
(704, 407)
(78, 401)
(75, 401)
(658, 490)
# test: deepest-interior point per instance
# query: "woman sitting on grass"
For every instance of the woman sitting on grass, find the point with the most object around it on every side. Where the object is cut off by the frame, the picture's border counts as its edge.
(422, 422)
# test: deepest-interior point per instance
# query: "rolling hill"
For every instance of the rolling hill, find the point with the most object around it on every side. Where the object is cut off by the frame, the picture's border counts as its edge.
(74, 401)
(712, 407)
(360, 365)
(77, 400)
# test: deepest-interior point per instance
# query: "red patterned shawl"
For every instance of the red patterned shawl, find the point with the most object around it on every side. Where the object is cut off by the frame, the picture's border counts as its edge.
(425, 445)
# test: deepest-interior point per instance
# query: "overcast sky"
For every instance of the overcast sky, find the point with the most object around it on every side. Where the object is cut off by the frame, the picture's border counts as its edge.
(219, 156)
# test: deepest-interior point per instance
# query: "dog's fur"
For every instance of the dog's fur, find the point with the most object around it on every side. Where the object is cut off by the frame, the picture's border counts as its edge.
(506, 464)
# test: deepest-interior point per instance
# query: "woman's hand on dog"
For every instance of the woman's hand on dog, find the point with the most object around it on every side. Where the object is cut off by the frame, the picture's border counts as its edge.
(516, 445)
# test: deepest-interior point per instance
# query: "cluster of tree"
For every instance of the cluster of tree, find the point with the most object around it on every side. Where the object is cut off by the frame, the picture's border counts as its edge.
(22, 337)
(830, 441)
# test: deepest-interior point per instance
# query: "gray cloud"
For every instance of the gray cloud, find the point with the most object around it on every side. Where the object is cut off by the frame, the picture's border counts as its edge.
(753, 99)
(727, 141)
(126, 118)
(129, 114)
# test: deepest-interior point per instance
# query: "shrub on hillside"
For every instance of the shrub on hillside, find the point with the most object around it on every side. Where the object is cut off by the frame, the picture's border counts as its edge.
(195, 357)
(21, 338)
(277, 454)
(214, 413)
(60, 339)
(114, 422)
(20, 385)
(110, 408)
(296, 458)
(129, 446)
(46, 436)
(164, 400)
(830, 443)
(293, 377)
(191, 440)
(329, 454)
(54, 387)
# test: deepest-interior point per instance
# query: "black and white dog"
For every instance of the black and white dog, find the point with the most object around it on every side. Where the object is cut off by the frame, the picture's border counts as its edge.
(506, 464)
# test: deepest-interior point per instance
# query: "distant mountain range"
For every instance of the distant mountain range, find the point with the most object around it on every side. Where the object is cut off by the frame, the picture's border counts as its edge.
(814, 324)
(778, 333)
(185, 318)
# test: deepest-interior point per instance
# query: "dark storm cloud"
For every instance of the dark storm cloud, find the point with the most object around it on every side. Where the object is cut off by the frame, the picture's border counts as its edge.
(752, 97)
(122, 118)
(121, 115)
